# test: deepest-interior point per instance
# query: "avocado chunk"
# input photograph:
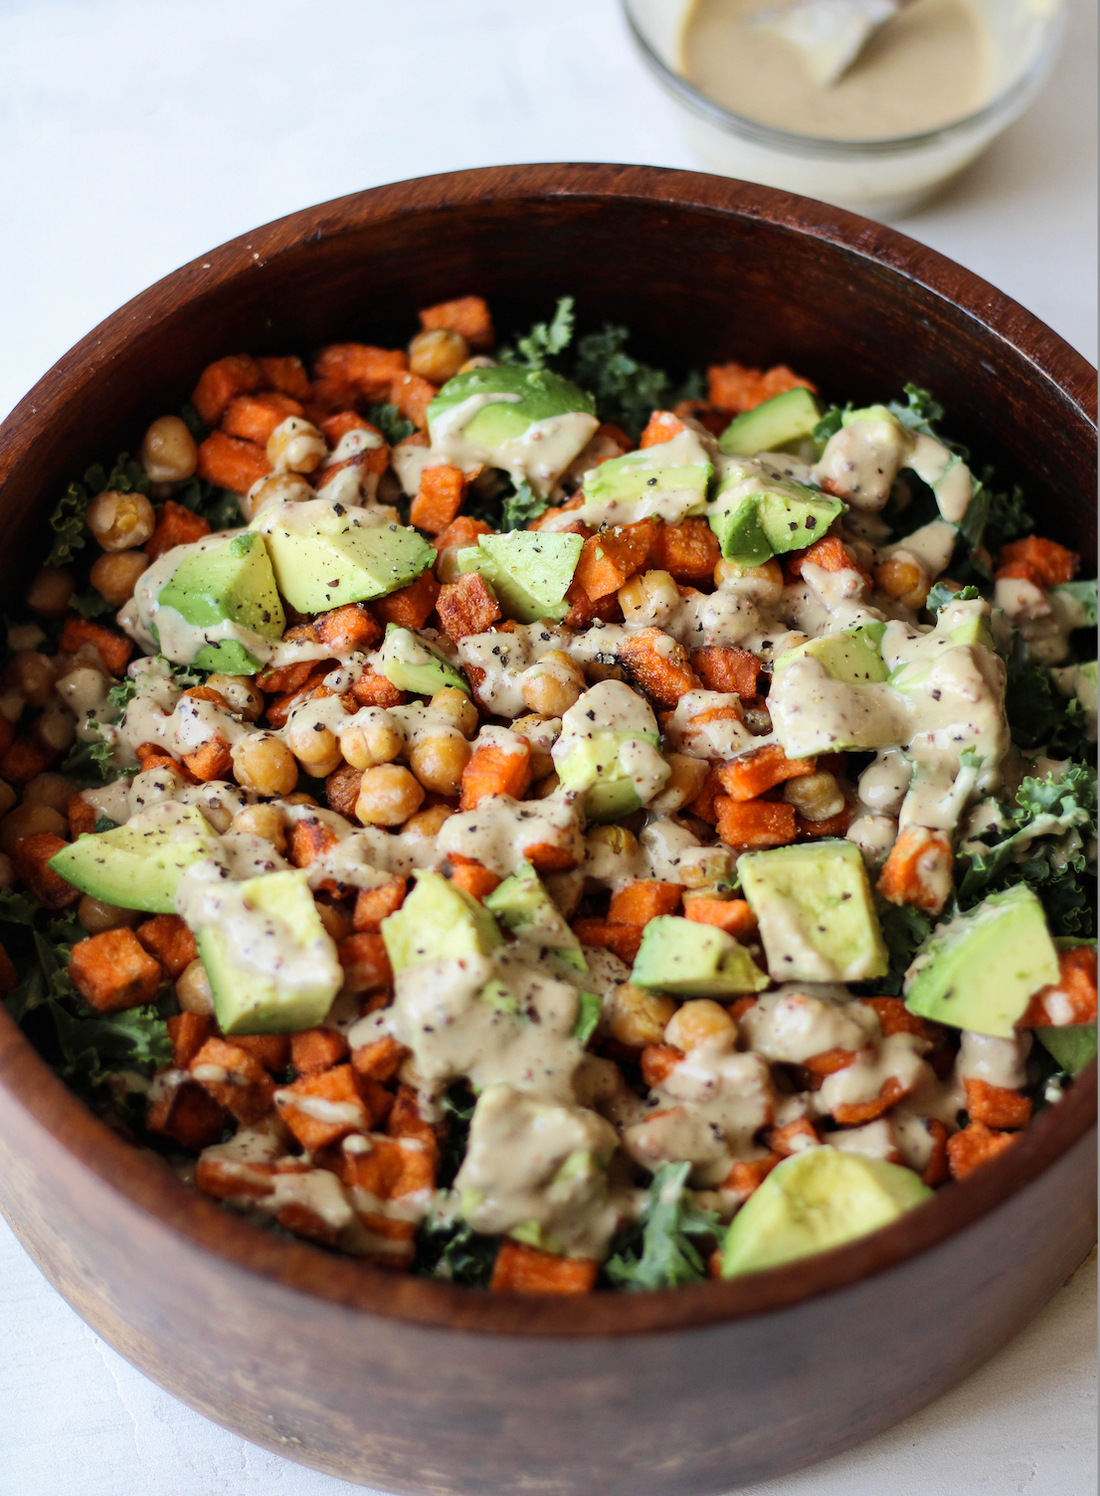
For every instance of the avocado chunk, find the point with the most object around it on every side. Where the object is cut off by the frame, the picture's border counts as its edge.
(281, 915)
(411, 664)
(686, 959)
(816, 913)
(608, 751)
(831, 694)
(438, 922)
(783, 419)
(980, 970)
(757, 514)
(530, 422)
(678, 470)
(814, 1200)
(138, 865)
(1073, 1046)
(529, 570)
(522, 905)
(853, 656)
(217, 588)
(325, 555)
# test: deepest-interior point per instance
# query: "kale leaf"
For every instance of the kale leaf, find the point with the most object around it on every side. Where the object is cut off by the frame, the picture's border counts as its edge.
(1040, 717)
(521, 507)
(941, 594)
(90, 604)
(220, 507)
(627, 391)
(545, 340)
(1006, 514)
(904, 929)
(67, 519)
(393, 425)
(447, 1247)
(658, 1250)
(1084, 594)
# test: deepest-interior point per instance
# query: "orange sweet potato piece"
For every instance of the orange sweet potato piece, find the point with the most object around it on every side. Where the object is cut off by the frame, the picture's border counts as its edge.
(112, 971)
(548, 857)
(235, 1078)
(609, 558)
(728, 669)
(829, 554)
(689, 551)
(412, 396)
(708, 415)
(734, 388)
(229, 462)
(287, 375)
(468, 316)
(792, 1138)
(169, 941)
(24, 760)
(918, 870)
(31, 856)
(364, 371)
(365, 962)
(855, 1114)
(390, 1168)
(624, 940)
(272, 1050)
(753, 774)
(255, 417)
(283, 679)
(460, 532)
(342, 790)
(176, 525)
(975, 1145)
(187, 1113)
(474, 877)
(334, 428)
(438, 499)
(114, 648)
(658, 1061)
(662, 426)
(347, 628)
(220, 381)
(1073, 999)
(748, 1175)
(522, 1269)
(638, 903)
(1051, 562)
(376, 690)
(411, 606)
(997, 1106)
(832, 825)
(496, 771)
(317, 1049)
(379, 1061)
(658, 664)
(829, 1062)
(756, 823)
(467, 606)
(188, 1032)
(732, 915)
(895, 1018)
(347, 1111)
(705, 804)
(307, 840)
(373, 905)
(935, 1170)
(213, 760)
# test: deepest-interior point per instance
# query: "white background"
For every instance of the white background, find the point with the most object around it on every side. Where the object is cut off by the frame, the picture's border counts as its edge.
(134, 135)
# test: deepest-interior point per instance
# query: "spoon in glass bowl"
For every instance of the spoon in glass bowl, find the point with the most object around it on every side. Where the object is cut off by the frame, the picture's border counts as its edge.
(830, 34)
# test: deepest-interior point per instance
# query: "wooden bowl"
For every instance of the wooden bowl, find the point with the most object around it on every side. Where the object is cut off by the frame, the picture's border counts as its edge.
(416, 1386)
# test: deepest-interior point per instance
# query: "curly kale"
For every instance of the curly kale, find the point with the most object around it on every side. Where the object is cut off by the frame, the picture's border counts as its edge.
(448, 1248)
(521, 507)
(659, 1250)
(904, 929)
(627, 391)
(1040, 717)
(545, 340)
(67, 519)
(393, 425)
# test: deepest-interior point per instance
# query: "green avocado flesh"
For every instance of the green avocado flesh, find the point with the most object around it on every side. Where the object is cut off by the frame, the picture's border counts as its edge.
(529, 570)
(814, 1200)
(980, 971)
(542, 396)
(624, 479)
(816, 912)
(1073, 1047)
(340, 559)
(246, 1002)
(411, 664)
(138, 865)
(438, 922)
(757, 515)
(779, 421)
(686, 959)
(231, 583)
(606, 728)
(852, 656)
(593, 765)
(522, 905)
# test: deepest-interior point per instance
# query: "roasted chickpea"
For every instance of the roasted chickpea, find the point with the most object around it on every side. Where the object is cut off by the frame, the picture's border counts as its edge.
(684, 783)
(438, 355)
(168, 452)
(49, 789)
(545, 787)
(32, 675)
(336, 922)
(239, 693)
(457, 707)
(56, 728)
(193, 992)
(552, 684)
(698, 1021)
(262, 762)
(637, 1018)
(115, 575)
(276, 488)
(388, 796)
(95, 916)
(438, 760)
(262, 820)
(905, 579)
(29, 820)
(25, 636)
(120, 521)
(316, 748)
(296, 446)
(50, 591)
(816, 797)
(761, 584)
(649, 598)
(370, 743)
(428, 823)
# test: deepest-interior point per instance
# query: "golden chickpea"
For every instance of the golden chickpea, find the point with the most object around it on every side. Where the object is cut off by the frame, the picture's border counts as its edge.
(698, 1021)
(542, 733)
(299, 797)
(552, 684)
(457, 707)
(371, 743)
(277, 488)
(193, 991)
(388, 796)
(617, 839)
(815, 796)
(115, 575)
(29, 820)
(49, 789)
(7, 872)
(262, 820)
(904, 579)
(168, 452)
(684, 783)
(296, 446)
(637, 1018)
(32, 675)
(120, 521)
(262, 762)
(438, 355)
(25, 636)
(595, 671)
(56, 728)
(316, 747)
(761, 584)
(428, 823)
(95, 916)
(337, 924)
(240, 694)
(649, 597)
(50, 591)
(438, 761)
(714, 869)
(8, 797)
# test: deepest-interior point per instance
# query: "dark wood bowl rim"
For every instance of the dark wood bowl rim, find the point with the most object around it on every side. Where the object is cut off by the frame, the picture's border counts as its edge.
(245, 1248)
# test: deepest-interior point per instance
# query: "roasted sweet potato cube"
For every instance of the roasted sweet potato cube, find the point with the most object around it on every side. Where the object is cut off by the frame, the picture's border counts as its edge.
(753, 774)
(405, 1121)
(1072, 999)
(477, 880)
(1052, 563)
(733, 388)
(375, 690)
(317, 1049)
(658, 664)
(412, 396)
(624, 940)
(522, 1269)
(351, 627)
(728, 669)
(31, 857)
(114, 649)
(855, 1114)
(468, 316)
(410, 607)
(188, 1032)
(307, 840)
(936, 1170)
(286, 374)
(235, 1078)
(658, 1061)
(229, 462)
(255, 417)
(638, 903)
(320, 1109)
(749, 1175)
(238, 1179)
(757, 823)
(438, 499)
(214, 760)
(271, 1050)
(493, 770)
(918, 870)
(613, 556)
(361, 369)
(219, 382)
(732, 915)
(176, 525)
(24, 759)
(997, 1106)
(895, 1018)
(689, 551)
(391, 1167)
(662, 426)
(460, 532)
(373, 905)
(81, 816)
(169, 941)
(365, 962)
(112, 971)
(380, 1060)
(975, 1145)
(467, 606)
(181, 1109)
(792, 1137)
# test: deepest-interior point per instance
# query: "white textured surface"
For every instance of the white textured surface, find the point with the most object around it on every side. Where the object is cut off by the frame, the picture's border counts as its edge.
(134, 134)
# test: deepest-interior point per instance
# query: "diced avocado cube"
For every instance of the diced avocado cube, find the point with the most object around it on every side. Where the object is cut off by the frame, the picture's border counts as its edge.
(529, 570)
(247, 1000)
(438, 922)
(814, 1200)
(757, 514)
(138, 865)
(816, 912)
(686, 959)
(841, 701)
(853, 656)
(531, 422)
(325, 555)
(607, 751)
(632, 477)
(411, 664)
(588, 1017)
(1073, 1046)
(783, 419)
(215, 586)
(522, 905)
(980, 971)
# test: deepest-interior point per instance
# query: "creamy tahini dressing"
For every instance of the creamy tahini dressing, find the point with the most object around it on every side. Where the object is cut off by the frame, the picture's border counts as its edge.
(538, 456)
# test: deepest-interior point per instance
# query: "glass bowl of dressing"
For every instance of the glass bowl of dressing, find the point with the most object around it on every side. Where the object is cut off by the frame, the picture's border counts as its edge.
(925, 97)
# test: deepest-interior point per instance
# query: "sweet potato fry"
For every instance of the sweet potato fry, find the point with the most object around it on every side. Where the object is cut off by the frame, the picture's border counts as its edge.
(307, 840)
(829, 554)
(272, 1050)
(438, 499)
(188, 1032)
(176, 525)
(229, 462)
(114, 649)
(282, 680)
(220, 381)
(492, 770)
(373, 905)
(376, 690)
(213, 760)
(638, 903)
(658, 664)
(918, 870)
(753, 774)
(379, 1061)
(467, 606)
(705, 804)
(334, 428)
(365, 371)
(390, 1168)
(728, 669)
(895, 1018)
(689, 551)
(854, 1114)
(935, 1170)
(1051, 562)
(792, 1138)
(287, 375)
(732, 915)
(734, 388)
(662, 426)
(477, 880)
(365, 962)
(997, 1106)
(351, 627)
(185, 1112)
(460, 532)
(975, 1145)
(1073, 999)
(112, 971)
(411, 606)
(31, 856)
(624, 940)
(521, 1269)
(316, 1049)
(342, 1109)
(658, 1061)
(24, 760)
(754, 824)
(342, 790)
(169, 941)
(613, 555)
(412, 396)
(468, 316)
(255, 417)
(747, 1176)
(235, 1078)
